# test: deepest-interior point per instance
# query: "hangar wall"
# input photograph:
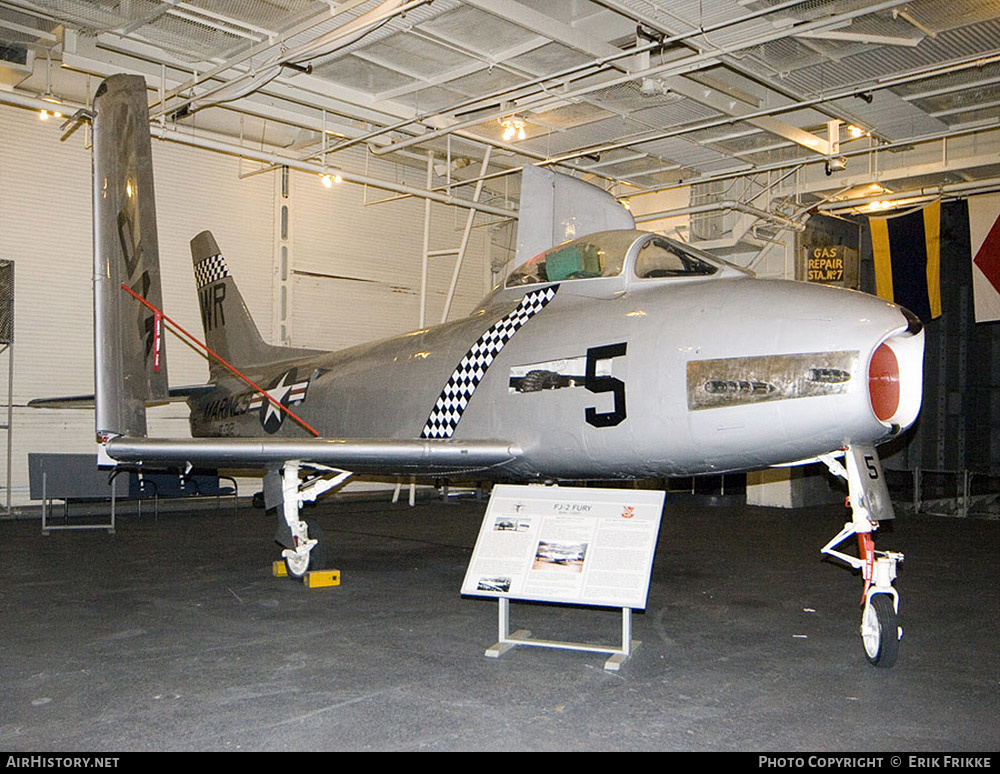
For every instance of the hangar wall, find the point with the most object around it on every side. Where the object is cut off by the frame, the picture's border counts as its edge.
(355, 270)
(357, 266)
(45, 229)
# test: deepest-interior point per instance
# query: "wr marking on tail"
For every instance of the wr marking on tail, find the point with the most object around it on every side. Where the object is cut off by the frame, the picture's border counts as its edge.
(213, 315)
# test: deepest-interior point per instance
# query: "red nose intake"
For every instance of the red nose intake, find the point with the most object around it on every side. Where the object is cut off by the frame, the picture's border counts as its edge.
(883, 383)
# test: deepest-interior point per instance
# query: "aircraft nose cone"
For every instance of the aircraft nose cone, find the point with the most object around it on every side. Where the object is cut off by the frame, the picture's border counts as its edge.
(883, 382)
(895, 375)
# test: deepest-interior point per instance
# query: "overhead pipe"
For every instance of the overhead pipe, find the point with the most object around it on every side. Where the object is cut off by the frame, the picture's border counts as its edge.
(951, 190)
(171, 134)
(250, 53)
(725, 204)
(15, 99)
(975, 61)
(600, 64)
(801, 161)
(681, 67)
(324, 45)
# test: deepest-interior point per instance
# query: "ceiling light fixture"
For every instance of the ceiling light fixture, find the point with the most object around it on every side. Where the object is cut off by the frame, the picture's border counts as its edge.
(512, 126)
(835, 164)
(43, 115)
(47, 95)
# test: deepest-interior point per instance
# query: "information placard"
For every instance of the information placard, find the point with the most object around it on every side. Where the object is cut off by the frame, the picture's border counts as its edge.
(566, 544)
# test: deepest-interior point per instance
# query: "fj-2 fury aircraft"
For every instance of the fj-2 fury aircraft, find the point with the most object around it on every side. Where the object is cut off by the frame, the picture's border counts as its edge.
(617, 355)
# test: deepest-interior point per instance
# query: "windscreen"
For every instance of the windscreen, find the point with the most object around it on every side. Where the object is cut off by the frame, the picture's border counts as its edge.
(597, 255)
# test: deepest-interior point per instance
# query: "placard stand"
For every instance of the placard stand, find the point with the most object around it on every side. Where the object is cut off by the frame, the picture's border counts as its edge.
(568, 546)
(523, 637)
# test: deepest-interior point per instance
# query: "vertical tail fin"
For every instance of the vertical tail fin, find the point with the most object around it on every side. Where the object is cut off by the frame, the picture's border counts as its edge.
(129, 360)
(230, 331)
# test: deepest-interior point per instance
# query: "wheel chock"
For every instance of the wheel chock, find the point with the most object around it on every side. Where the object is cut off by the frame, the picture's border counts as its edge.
(318, 579)
(314, 579)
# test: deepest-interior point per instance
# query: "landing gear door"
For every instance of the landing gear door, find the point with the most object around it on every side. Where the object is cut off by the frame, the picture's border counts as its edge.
(868, 470)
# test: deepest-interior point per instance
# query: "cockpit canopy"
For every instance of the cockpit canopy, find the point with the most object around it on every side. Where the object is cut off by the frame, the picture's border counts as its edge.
(608, 253)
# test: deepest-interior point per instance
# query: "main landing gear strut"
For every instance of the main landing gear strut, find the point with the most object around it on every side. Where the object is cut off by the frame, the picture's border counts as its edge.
(304, 551)
(868, 497)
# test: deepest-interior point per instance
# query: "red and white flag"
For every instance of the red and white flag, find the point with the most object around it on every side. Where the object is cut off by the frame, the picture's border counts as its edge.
(984, 233)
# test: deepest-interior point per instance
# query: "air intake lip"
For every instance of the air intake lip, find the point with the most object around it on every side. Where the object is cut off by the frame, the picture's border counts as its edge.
(896, 376)
(913, 323)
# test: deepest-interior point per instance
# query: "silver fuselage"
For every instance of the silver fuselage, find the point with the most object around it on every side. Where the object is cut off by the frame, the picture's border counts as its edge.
(655, 344)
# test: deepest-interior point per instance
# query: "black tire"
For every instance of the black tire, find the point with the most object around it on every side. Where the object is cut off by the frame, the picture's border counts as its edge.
(317, 557)
(880, 632)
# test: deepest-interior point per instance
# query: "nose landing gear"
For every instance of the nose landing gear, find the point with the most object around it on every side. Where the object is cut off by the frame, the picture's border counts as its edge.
(868, 497)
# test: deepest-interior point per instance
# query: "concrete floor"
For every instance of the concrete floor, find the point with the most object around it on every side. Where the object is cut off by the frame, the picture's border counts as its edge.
(172, 634)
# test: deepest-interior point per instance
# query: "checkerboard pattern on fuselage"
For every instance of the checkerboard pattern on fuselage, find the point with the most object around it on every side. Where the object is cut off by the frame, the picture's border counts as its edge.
(470, 372)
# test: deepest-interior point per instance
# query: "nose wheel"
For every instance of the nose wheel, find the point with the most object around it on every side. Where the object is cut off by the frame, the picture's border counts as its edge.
(880, 631)
(868, 497)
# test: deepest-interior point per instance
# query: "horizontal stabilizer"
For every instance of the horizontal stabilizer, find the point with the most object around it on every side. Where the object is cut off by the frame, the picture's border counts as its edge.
(175, 395)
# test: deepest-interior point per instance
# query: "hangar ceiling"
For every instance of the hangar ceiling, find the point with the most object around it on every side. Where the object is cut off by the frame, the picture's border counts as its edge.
(750, 102)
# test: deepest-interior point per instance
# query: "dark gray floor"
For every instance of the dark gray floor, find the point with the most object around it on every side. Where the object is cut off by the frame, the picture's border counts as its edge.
(173, 635)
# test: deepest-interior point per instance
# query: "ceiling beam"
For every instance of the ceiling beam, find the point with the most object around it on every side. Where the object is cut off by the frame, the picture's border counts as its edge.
(543, 24)
(731, 106)
(462, 71)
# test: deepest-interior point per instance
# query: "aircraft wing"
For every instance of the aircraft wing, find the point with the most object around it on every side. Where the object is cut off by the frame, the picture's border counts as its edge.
(387, 456)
